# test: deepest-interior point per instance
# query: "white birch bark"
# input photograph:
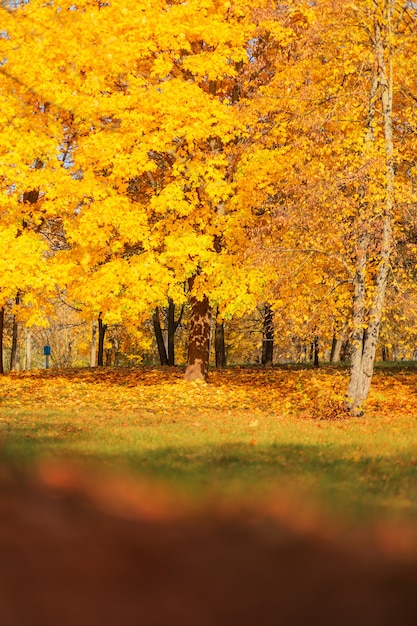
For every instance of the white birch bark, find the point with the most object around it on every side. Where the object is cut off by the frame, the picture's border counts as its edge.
(364, 349)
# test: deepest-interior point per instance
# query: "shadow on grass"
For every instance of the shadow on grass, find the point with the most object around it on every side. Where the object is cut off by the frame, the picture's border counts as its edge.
(364, 485)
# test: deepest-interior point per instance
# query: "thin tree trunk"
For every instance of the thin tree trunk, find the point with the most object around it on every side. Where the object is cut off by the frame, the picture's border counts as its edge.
(14, 353)
(199, 337)
(303, 354)
(93, 355)
(101, 333)
(109, 356)
(172, 327)
(28, 350)
(338, 345)
(268, 336)
(163, 358)
(316, 351)
(356, 373)
(116, 350)
(219, 344)
(1, 339)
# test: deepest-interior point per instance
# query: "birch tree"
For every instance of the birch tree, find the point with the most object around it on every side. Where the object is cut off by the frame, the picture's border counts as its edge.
(387, 22)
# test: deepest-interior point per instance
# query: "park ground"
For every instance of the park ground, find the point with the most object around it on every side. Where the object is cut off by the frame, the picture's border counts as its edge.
(128, 493)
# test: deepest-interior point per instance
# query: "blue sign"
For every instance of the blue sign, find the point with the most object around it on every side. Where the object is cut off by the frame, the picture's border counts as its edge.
(47, 350)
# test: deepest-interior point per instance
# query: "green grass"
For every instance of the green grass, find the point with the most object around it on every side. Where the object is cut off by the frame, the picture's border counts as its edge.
(233, 437)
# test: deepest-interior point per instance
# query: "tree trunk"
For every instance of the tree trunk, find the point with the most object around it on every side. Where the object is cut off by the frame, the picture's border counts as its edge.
(339, 346)
(14, 353)
(333, 348)
(303, 353)
(219, 345)
(172, 327)
(166, 348)
(345, 351)
(268, 336)
(355, 386)
(163, 358)
(28, 350)
(116, 353)
(101, 333)
(316, 351)
(1, 339)
(109, 357)
(363, 348)
(199, 338)
(93, 355)
(337, 351)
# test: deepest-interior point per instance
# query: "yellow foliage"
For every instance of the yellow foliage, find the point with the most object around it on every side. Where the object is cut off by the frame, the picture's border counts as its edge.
(143, 143)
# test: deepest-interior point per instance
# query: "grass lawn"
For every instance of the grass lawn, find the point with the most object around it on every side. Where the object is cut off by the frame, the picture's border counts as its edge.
(249, 431)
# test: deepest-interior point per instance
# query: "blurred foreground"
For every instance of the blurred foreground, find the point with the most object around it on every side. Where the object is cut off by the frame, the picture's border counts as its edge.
(79, 549)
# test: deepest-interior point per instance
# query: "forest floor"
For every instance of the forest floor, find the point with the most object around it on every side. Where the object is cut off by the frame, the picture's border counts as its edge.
(129, 497)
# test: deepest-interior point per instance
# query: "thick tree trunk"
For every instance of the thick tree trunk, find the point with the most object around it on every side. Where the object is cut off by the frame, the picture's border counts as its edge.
(163, 358)
(333, 349)
(1, 339)
(345, 351)
(219, 345)
(268, 336)
(101, 333)
(14, 353)
(199, 338)
(337, 350)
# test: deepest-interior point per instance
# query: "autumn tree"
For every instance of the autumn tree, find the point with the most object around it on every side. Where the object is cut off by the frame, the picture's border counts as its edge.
(149, 98)
(338, 184)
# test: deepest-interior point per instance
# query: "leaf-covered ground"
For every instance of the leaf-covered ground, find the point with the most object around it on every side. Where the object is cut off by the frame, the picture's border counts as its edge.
(129, 497)
(248, 431)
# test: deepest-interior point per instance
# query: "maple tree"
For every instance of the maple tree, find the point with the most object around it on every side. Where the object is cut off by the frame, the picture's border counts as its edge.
(151, 133)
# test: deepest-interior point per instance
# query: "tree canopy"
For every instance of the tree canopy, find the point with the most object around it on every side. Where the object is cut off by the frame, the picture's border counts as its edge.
(226, 153)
